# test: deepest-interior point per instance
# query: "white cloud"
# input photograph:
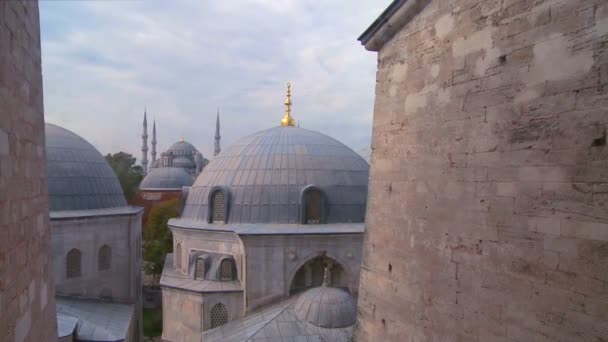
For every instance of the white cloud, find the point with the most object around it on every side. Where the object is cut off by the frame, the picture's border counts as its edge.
(104, 61)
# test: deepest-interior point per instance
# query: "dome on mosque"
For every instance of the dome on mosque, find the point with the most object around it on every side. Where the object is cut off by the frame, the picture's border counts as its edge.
(327, 307)
(79, 177)
(266, 174)
(183, 162)
(166, 178)
(182, 148)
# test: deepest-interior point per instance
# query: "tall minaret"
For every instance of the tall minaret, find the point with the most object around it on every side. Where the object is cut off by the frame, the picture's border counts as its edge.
(217, 134)
(144, 147)
(153, 144)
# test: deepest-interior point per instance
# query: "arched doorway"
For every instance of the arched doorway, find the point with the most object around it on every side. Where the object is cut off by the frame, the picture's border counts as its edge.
(311, 275)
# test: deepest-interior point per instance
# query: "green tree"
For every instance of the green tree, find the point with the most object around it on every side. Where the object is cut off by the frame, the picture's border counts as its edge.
(158, 240)
(129, 174)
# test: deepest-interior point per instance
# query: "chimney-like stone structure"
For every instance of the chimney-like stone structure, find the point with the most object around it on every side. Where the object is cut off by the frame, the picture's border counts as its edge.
(27, 292)
(487, 215)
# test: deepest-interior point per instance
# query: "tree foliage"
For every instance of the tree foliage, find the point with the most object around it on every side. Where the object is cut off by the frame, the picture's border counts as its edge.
(129, 174)
(158, 240)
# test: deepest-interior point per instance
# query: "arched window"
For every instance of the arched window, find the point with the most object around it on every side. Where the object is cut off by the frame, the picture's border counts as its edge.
(73, 261)
(199, 269)
(227, 270)
(313, 206)
(218, 207)
(104, 258)
(219, 315)
(178, 255)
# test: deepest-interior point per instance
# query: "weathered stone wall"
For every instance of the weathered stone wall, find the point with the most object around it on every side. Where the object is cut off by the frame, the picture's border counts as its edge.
(488, 214)
(27, 305)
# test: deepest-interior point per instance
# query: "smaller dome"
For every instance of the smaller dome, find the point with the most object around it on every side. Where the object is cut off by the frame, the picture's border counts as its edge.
(166, 178)
(183, 162)
(181, 148)
(327, 307)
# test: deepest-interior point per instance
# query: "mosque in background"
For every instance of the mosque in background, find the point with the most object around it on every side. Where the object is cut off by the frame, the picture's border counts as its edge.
(268, 246)
(176, 168)
(96, 244)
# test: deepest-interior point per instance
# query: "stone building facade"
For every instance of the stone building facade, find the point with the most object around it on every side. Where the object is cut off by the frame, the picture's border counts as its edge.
(489, 141)
(26, 284)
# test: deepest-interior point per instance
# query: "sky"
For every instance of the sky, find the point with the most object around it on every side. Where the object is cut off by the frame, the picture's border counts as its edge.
(105, 61)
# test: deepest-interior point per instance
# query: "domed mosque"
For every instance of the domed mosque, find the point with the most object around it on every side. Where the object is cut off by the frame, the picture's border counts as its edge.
(261, 224)
(95, 241)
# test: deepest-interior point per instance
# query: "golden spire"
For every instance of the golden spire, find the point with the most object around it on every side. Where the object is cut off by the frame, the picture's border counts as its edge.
(181, 139)
(287, 119)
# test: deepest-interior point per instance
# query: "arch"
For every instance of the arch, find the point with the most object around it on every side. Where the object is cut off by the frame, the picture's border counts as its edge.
(199, 269)
(219, 202)
(104, 258)
(73, 263)
(178, 255)
(313, 205)
(219, 315)
(227, 270)
(310, 274)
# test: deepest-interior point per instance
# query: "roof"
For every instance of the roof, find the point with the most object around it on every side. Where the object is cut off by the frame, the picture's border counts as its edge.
(277, 322)
(97, 321)
(169, 178)
(394, 17)
(79, 177)
(119, 211)
(266, 172)
(177, 280)
(270, 229)
(181, 147)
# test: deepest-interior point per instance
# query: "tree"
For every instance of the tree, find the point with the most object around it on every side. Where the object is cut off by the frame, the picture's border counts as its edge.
(129, 174)
(158, 240)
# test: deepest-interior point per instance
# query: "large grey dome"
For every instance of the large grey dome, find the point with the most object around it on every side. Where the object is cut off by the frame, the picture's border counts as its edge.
(181, 148)
(166, 178)
(266, 172)
(79, 177)
(327, 307)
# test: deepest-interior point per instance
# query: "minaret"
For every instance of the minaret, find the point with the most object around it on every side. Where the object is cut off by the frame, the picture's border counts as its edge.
(217, 134)
(144, 148)
(153, 144)
(287, 119)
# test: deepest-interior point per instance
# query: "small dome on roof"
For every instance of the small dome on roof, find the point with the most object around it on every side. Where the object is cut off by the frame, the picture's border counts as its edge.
(79, 178)
(182, 148)
(166, 178)
(327, 307)
(183, 162)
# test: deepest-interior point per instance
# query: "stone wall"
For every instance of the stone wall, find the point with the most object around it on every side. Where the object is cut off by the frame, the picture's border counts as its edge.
(488, 207)
(26, 286)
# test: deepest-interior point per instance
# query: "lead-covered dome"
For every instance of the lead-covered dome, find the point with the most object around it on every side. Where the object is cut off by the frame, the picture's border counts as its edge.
(79, 178)
(182, 148)
(327, 307)
(264, 176)
(166, 178)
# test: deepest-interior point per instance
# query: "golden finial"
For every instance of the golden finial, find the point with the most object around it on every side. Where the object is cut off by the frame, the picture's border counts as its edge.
(181, 139)
(287, 119)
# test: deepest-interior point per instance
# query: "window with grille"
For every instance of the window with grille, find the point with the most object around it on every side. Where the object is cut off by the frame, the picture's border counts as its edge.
(317, 272)
(227, 269)
(199, 269)
(219, 315)
(104, 258)
(105, 294)
(218, 207)
(313, 206)
(178, 255)
(73, 263)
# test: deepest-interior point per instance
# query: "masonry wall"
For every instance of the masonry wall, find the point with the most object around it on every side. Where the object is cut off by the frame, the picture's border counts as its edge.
(488, 214)
(26, 286)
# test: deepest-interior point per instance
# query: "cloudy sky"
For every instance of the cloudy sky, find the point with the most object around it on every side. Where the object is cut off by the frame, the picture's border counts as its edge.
(104, 61)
